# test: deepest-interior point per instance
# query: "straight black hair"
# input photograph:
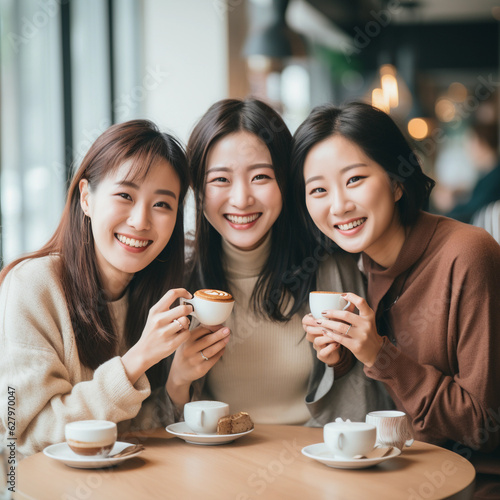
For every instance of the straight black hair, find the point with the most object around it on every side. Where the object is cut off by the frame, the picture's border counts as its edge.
(275, 287)
(379, 137)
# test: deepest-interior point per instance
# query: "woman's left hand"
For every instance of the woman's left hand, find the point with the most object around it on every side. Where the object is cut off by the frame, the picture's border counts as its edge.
(361, 337)
(327, 351)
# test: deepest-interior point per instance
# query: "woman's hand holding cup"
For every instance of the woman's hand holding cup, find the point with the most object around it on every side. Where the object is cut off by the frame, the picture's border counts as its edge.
(320, 304)
(166, 329)
(356, 332)
(194, 358)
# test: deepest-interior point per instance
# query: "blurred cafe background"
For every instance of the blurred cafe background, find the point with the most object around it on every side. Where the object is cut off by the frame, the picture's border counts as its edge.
(71, 68)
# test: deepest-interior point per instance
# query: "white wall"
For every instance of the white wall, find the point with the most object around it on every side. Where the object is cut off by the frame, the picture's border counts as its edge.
(185, 48)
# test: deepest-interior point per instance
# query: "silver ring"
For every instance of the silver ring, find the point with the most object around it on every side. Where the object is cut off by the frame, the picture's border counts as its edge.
(179, 323)
(348, 329)
(203, 356)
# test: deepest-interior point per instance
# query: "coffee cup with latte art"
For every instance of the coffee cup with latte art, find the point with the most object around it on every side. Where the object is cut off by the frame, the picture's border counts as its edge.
(91, 437)
(211, 307)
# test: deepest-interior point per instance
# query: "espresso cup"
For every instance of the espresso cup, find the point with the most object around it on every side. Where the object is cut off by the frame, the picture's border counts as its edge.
(348, 439)
(202, 416)
(326, 301)
(393, 428)
(210, 307)
(91, 437)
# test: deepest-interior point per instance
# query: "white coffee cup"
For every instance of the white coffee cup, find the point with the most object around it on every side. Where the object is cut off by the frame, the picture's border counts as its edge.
(210, 307)
(202, 416)
(326, 301)
(348, 439)
(393, 428)
(91, 437)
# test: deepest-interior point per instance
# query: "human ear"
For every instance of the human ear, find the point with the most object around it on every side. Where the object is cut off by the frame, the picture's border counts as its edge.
(83, 185)
(398, 191)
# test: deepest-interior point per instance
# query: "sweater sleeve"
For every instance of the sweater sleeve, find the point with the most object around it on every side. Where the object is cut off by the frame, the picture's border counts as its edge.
(460, 403)
(40, 363)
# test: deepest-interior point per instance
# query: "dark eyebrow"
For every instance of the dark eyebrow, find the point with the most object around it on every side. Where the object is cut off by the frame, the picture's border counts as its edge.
(342, 171)
(217, 168)
(166, 192)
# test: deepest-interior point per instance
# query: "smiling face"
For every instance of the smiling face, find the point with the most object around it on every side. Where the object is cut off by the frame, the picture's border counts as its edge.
(132, 220)
(242, 196)
(352, 200)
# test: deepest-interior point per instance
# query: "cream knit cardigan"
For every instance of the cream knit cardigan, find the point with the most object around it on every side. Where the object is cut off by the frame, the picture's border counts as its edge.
(40, 363)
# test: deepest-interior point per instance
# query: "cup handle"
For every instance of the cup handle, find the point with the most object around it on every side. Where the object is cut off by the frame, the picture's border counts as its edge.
(410, 438)
(347, 306)
(340, 441)
(199, 418)
(183, 301)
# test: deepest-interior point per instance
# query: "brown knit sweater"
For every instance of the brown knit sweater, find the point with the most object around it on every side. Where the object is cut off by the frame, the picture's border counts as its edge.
(443, 365)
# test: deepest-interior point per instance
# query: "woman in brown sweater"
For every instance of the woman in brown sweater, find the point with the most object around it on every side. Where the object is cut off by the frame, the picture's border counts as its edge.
(431, 331)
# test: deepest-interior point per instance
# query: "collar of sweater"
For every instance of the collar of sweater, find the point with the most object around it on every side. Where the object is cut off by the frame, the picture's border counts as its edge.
(245, 263)
(417, 241)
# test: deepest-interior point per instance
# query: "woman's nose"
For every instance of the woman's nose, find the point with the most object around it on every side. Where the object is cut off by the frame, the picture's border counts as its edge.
(340, 203)
(241, 196)
(139, 217)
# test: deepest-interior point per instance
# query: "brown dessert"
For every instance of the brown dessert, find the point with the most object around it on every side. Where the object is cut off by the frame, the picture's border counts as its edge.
(234, 424)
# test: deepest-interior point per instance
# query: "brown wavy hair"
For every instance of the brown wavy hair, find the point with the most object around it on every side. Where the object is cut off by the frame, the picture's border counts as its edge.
(142, 144)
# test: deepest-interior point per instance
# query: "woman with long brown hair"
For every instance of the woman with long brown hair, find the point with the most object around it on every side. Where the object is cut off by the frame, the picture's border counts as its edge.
(72, 348)
(250, 242)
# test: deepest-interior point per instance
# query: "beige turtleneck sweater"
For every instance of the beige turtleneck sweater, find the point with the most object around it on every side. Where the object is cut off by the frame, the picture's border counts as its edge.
(266, 367)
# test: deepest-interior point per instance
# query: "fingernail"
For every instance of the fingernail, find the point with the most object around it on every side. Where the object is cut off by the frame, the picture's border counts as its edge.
(319, 322)
(343, 294)
(225, 331)
(324, 313)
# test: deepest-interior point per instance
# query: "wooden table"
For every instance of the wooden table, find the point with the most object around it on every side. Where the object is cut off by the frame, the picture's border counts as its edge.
(265, 464)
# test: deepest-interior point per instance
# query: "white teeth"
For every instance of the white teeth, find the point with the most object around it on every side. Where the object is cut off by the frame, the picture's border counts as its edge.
(131, 242)
(351, 225)
(237, 219)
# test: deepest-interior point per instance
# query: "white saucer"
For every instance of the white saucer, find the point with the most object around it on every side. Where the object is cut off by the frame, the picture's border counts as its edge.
(321, 453)
(63, 453)
(181, 430)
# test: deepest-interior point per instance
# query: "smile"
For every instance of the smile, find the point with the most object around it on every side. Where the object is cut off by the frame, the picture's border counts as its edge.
(351, 225)
(242, 219)
(132, 242)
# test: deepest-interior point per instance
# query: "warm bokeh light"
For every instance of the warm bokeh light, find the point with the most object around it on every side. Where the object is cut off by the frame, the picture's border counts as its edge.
(457, 91)
(387, 69)
(379, 100)
(445, 110)
(418, 128)
(390, 89)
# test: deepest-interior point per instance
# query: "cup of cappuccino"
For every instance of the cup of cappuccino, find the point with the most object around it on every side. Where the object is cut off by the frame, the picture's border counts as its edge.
(210, 307)
(89, 438)
(326, 301)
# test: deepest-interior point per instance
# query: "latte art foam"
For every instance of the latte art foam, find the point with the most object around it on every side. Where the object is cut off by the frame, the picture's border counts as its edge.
(214, 295)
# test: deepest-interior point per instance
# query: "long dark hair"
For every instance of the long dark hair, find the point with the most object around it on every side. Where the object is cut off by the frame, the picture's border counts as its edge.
(141, 143)
(274, 288)
(379, 137)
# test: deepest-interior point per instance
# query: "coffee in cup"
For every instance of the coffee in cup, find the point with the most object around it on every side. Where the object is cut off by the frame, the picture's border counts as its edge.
(348, 439)
(326, 301)
(393, 428)
(210, 307)
(91, 437)
(202, 416)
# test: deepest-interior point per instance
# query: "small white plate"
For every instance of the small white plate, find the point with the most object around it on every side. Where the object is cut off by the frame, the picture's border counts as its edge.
(181, 430)
(321, 453)
(63, 453)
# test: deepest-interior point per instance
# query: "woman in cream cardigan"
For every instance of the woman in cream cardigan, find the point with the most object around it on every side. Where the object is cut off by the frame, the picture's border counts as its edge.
(72, 348)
